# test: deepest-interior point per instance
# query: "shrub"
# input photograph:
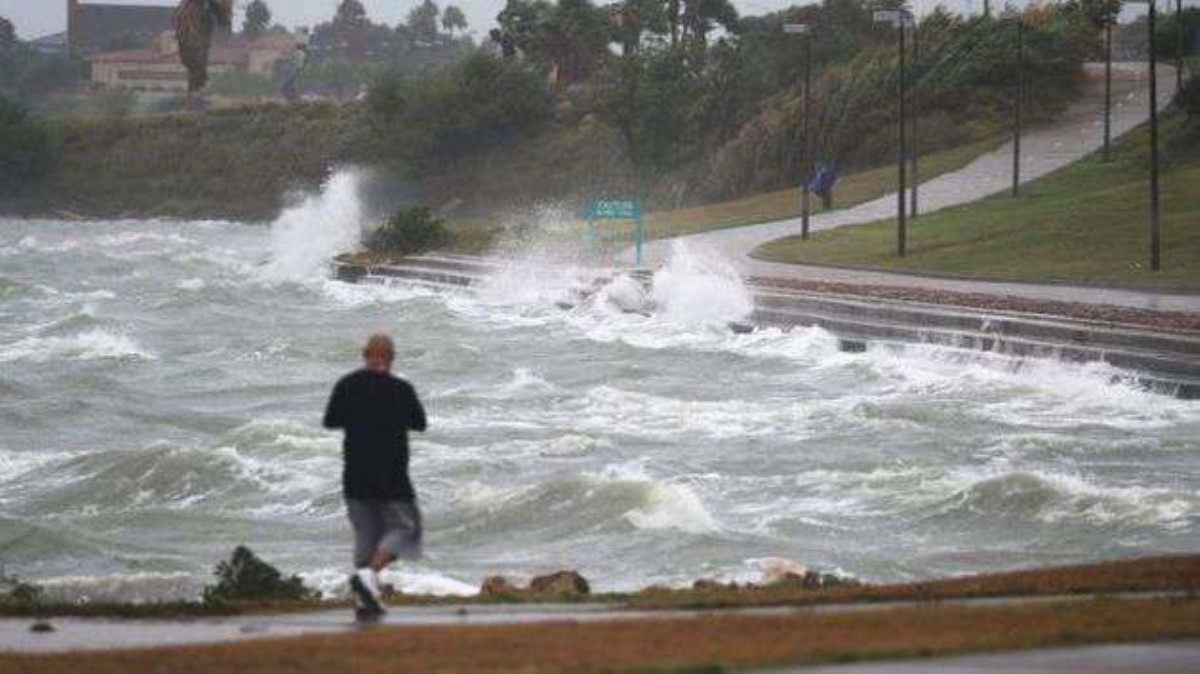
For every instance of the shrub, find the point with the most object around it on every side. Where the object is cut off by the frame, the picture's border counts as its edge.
(14, 592)
(1188, 98)
(245, 577)
(442, 115)
(409, 231)
(25, 149)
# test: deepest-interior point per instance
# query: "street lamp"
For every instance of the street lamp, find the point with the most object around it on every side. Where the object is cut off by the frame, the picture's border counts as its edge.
(1108, 32)
(916, 117)
(900, 18)
(1178, 46)
(1155, 205)
(1019, 98)
(806, 166)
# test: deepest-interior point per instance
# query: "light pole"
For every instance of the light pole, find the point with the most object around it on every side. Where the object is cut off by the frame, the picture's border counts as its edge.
(1018, 98)
(916, 117)
(1108, 29)
(900, 18)
(806, 166)
(1178, 46)
(1155, 204)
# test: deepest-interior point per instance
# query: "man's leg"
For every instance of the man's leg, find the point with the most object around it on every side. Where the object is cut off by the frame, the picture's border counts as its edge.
(402, 534)
(368, 524)
(381, 560)
(368, 531)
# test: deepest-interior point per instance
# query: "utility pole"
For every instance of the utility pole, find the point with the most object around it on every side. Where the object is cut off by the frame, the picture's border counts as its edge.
(1108, 30)
(1178, 46)
(806, 167)
(1155, 206)
(902, 230)
(916, 115)
(807, 136)
(900, 18)
(1018, 104)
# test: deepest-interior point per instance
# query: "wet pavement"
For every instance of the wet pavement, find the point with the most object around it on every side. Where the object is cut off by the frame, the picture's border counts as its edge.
(1047, 148)
(100, 634)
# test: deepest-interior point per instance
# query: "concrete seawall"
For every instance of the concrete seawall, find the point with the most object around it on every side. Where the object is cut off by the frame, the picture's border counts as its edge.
(1163, 361)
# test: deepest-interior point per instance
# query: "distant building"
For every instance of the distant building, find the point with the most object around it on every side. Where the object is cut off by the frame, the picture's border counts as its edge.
(159, 68)
(96, 28)
(50, 45)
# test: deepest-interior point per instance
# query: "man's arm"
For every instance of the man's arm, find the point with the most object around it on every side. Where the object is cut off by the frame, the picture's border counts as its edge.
(335, 411)
(414, 414)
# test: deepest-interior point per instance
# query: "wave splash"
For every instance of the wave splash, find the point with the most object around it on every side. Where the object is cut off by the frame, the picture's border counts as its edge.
(305, 237)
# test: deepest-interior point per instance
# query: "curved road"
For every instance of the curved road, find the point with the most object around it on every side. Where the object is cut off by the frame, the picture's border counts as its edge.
(1047, 148)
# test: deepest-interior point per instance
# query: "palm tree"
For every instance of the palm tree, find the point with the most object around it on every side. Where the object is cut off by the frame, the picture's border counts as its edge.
(195, 21)
(258, 19)
(453, 19)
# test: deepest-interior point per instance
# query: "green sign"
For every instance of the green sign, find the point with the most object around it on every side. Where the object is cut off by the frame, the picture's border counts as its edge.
(601, 209)
(607, 209)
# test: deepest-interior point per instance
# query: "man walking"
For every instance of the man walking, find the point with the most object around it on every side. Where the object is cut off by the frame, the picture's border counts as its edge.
(376, 410)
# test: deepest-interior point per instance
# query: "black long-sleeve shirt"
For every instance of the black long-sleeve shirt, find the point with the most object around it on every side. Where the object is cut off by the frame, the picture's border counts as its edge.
(376, 410)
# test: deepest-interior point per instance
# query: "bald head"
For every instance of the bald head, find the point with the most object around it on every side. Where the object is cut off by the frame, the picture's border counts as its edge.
(379, 353)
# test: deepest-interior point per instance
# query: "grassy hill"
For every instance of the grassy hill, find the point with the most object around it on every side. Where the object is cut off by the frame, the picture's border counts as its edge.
(238, 163)
(1085, 224)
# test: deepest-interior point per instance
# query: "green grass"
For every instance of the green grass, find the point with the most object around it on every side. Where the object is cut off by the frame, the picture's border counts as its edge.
(478, 235)
(851, 190)
(1085, 224)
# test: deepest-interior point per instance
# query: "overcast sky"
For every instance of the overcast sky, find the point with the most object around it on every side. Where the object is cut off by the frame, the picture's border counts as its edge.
(35, 18)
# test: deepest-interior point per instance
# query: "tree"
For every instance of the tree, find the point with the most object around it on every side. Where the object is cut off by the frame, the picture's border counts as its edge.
(700, 17)
(430, 121)
(25, 149)
(453, 19)
(423, 21)
(350, 25)
(631, 18)
(258, 18)
(350, 14)
(195, 21)
(571, 36)
(8, 36)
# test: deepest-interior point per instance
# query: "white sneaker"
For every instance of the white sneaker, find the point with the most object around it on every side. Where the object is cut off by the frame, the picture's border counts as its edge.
(365, 585)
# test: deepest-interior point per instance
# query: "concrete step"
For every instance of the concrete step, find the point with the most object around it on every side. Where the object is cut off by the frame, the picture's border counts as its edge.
(1163, 361)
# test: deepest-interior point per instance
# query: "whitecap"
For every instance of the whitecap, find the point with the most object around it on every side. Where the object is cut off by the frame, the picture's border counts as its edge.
(91, 345)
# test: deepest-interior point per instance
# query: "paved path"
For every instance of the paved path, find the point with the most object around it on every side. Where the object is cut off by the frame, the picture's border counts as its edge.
(1045, 149)
(88, 634)
(1164, 658)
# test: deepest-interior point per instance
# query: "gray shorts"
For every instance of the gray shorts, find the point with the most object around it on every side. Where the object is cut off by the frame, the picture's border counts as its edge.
(391, 526)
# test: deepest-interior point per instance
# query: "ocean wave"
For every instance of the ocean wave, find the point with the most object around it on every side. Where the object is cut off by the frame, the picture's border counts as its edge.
(1057, 497)
(280, 474)
(352, 295)
(522, 384)
(665, 417)
(135, 588)
(619, 496)
(32, 244)
(191, 284)
(133, 238)
(90, 345)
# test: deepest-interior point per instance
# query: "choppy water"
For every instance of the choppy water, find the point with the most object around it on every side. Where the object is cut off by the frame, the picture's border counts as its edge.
(161, 385)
